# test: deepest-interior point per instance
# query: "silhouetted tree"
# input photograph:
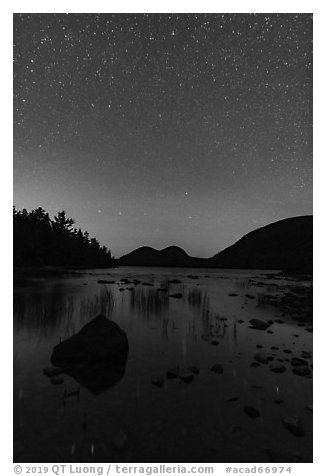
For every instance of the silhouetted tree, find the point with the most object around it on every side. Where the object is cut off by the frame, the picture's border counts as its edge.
(38, 241)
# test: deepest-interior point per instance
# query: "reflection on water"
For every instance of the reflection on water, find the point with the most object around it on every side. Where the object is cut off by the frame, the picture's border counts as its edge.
(49, 308)
(148, 302)
(172, 318)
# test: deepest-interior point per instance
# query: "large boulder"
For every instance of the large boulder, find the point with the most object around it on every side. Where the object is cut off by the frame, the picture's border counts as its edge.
(101, 340)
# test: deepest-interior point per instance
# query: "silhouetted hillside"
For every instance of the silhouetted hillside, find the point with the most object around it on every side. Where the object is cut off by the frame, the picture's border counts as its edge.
(286, 244)
(171, 256)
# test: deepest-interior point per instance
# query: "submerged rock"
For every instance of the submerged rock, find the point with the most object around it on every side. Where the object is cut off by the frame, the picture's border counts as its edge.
(176, 295)
(217, 368)
(98, 341)
(295, 361)
(294, 425)
(251, 411)
(258, 324)
(262, 357)
(302, 370)
(186, 377)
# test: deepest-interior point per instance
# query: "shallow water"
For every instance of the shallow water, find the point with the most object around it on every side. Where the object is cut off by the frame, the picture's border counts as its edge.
(133, 420)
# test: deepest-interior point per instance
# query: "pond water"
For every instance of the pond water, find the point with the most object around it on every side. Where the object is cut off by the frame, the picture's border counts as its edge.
(140, 415)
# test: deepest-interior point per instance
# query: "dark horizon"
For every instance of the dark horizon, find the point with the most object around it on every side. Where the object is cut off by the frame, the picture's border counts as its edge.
(188, 130)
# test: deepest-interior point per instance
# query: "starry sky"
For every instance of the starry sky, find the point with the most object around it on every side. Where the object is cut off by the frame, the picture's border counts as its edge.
(164, 129)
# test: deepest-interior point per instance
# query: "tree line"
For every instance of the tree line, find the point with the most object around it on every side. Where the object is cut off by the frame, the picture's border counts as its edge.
(40, 241)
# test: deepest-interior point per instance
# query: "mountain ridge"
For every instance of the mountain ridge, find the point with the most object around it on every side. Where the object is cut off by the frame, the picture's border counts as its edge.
(284, 244)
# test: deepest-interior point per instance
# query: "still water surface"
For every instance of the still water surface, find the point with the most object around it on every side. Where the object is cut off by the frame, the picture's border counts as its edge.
(133, 420)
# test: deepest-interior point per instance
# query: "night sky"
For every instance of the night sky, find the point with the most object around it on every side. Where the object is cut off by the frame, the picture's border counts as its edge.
(164, 129)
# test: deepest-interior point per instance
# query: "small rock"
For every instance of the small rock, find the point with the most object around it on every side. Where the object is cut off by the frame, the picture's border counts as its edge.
(279, 321)
(173, 373)
(255, 364)
(233, 294)
(240, 321)
(233, 399)
(258, 324)
(277, 368)
(249, 296)
(274, 347)
(287, 351)
(217, 368)
(214, 342)
(278, 401)
(262, 357)
(294, 425)
(251, 411)
(306, 355)
(187, 377)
